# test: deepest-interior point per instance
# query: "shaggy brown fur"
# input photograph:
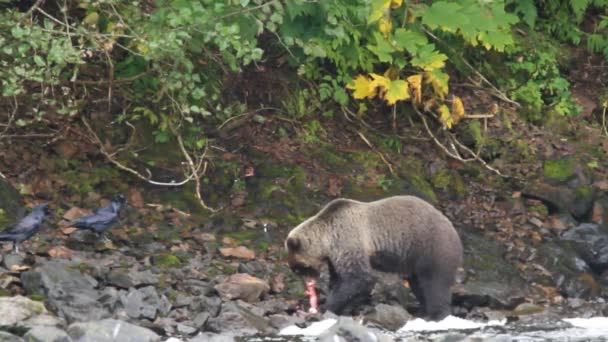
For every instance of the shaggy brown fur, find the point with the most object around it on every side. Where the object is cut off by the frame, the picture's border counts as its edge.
(402, 234)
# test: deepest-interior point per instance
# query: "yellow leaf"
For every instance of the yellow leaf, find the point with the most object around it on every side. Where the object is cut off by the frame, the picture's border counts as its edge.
(457, 109)
(379, 81)
(361, 87)
(415, 82)
(379, 9)
(396, 3)
(438, 80)
(445, 117)
(392, 73)
(385, 25)
(91, 19)
(396, 91)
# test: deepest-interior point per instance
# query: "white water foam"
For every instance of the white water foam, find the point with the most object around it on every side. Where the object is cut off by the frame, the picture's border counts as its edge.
(448, 323)
(315, 329)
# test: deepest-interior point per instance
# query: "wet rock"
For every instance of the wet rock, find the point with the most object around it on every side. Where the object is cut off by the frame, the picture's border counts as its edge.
(145, 303)
(487, 293)
(238, 319)
(346, 329)
(110, 330)
(13, 259)
(46, 334)
(210, 337)
(7, 337)
(242, 286)
(591, 243)
(69, 293)
(527, 309)
(391, 317)
(281, 321)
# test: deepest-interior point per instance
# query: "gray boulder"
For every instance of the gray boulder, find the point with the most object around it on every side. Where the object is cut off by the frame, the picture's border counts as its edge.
(71, 294)
(21, 310)
(145, 303)
(110, 330)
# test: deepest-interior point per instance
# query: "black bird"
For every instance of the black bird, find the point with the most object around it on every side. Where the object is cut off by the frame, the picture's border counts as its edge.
(27, 227)
(101, 219)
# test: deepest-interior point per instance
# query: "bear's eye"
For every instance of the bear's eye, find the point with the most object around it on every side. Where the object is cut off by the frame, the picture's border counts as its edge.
(293, 244)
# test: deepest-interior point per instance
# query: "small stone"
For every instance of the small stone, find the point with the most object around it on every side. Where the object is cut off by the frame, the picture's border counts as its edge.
(135, 198)
(120, 278)
(185, 329)
(238, 252)
(201, 319)
(242, 286)
(527, 309)
(11, 260)
(536, 221)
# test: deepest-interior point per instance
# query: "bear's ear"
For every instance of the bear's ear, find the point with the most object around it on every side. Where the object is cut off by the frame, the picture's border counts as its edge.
(293, 244)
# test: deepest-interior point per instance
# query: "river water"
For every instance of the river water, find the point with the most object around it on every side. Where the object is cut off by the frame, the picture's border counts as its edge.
(456, 329)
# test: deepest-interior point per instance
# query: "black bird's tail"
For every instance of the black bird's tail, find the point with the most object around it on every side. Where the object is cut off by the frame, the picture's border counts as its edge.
(6, 237)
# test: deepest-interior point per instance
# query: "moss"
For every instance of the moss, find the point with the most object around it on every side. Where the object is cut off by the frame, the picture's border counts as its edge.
(3, 217)
(166, 260)
(584, 193)
(539, 209)
(441, 179)
(412, 170)
(172, 295)
(37, 297)
(559, 170)
(5, 293)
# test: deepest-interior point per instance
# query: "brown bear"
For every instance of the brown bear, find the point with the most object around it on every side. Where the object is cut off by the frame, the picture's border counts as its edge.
(403, 235)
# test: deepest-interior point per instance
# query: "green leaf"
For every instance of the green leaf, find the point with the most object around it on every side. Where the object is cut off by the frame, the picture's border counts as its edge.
(527, 11)
(428, 59)
(382, 49)
(445, 15)
(39, 61)
(409, 40)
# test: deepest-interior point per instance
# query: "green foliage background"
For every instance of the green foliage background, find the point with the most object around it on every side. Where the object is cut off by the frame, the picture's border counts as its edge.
(168, 60)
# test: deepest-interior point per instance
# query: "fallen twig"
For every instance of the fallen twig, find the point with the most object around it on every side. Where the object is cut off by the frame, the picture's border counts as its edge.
(390, 167)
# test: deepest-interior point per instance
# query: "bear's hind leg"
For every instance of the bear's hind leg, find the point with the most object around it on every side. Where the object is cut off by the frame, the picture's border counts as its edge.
(437, 297)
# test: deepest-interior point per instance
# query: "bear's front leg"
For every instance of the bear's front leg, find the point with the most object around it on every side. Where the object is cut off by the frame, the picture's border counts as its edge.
(347, 291)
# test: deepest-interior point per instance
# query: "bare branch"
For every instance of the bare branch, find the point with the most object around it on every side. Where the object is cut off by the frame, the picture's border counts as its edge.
(390, 167)
(194, 169)
(93, 136)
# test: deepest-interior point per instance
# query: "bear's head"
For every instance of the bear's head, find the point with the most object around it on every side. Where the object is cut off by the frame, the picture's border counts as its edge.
(303, 257)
